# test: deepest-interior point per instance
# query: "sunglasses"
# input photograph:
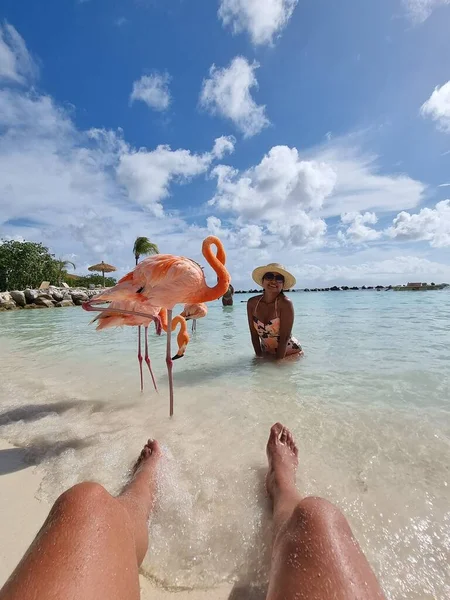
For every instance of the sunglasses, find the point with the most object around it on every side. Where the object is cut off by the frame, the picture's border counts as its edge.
(272, 276)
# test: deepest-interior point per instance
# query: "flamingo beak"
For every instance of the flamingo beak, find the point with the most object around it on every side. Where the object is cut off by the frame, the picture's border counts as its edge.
(177, 356)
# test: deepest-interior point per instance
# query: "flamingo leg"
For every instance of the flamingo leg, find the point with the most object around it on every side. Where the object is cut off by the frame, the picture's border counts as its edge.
(140, 358)
(169, 359)
(147, 358)
(194, 325)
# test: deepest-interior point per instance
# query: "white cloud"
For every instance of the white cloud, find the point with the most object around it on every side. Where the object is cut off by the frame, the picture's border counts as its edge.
(153, 90)
(227, 93)
(278, 192)
(16, 64)
(248, 236)
(359, 184)
(280, 182)
(223, 145)
(290, 194)
(90, 191)
(357, 231)
(420, 10)
(147, 174)
(431, 225)
(262, 19)
(437, 107)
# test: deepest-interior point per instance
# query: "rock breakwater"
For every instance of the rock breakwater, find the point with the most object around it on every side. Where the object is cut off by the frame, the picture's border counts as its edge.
(52, 297)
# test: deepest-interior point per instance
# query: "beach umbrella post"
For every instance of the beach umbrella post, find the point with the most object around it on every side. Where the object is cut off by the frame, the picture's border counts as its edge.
(103, 268)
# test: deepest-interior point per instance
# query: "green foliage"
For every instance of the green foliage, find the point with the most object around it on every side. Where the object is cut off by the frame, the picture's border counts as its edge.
(25, 264)
(61, 269)
(86, 280)
(143, 245)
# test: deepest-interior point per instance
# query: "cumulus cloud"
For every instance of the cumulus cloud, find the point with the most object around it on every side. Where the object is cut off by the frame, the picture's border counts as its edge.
(16, 64)
(247, 236)
(227, 93)
(262, 19)
(429, 224)
(420, 10)
(153, 90)
(280, 182)
(357, 231)
(223, 145)
(84, 188)
(147, 174)
(437, 107)
(290, 194)
(278, 192)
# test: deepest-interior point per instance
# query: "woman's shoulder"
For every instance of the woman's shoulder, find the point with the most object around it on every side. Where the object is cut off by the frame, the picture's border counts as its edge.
(284, 301)
(254, 299)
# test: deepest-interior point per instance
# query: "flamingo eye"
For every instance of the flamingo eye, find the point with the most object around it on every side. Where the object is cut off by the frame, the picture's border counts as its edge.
(140, 290)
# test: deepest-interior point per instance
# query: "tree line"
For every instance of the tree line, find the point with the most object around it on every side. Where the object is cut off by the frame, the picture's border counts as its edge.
(28, 264)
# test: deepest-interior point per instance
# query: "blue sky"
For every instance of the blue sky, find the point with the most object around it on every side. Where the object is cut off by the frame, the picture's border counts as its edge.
(312, 133)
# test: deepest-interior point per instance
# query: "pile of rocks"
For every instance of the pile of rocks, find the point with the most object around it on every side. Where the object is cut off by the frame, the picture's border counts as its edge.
(49, 298)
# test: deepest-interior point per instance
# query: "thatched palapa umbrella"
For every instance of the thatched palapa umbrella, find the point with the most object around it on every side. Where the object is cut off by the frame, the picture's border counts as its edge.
(103, 268)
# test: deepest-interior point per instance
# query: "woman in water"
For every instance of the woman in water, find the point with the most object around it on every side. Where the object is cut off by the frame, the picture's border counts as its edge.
(271, 315)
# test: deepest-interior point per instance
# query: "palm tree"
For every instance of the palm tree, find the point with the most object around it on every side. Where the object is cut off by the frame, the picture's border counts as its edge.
(143, 245)
(61, 266)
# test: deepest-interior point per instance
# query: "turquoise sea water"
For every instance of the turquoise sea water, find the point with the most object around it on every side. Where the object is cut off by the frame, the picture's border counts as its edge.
(369, 405)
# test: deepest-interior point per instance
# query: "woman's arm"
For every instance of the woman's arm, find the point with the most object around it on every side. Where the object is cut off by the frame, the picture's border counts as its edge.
(254, 335)
(286, 310)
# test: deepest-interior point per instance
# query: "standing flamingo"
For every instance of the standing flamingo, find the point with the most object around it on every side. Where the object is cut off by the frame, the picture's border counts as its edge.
(110, 318)
(166, 280)
(194, 312)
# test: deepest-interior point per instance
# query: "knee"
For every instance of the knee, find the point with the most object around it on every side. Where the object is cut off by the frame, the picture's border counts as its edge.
(317, 514)
(88, 497)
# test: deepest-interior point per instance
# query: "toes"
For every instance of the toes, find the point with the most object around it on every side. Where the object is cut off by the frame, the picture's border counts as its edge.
(153, 447)
(290, 439)
(284, 436)
(275, 432)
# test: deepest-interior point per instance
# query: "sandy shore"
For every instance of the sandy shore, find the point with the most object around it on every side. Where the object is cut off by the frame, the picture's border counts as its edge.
(23, 515)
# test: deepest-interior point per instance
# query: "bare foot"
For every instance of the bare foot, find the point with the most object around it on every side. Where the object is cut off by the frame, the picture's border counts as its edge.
(152, 451)
(282, 454)
(142, 485)
(138, 497)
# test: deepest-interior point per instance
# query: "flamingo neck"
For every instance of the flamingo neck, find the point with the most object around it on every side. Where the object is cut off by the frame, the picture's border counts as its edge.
(217, 262)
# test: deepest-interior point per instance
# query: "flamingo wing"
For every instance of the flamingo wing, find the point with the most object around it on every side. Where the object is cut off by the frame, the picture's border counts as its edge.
(161, 280)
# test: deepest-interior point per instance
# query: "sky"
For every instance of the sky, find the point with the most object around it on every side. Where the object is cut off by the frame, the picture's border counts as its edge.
(312, 133)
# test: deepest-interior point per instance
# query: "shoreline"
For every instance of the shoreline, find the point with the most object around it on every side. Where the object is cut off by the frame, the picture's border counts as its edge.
(23, 515)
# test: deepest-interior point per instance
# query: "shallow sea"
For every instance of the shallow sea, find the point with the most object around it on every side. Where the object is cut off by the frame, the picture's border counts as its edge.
(369, 405)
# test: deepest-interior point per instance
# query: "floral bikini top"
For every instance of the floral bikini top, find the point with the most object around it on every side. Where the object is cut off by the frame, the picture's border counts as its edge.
(269, 333)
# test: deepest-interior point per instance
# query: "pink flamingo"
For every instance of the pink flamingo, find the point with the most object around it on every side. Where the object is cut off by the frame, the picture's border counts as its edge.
(166, 280)
(194, 312)
(110, 318)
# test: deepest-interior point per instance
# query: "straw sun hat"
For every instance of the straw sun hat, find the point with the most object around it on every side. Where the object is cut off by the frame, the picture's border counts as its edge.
(259, 272)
